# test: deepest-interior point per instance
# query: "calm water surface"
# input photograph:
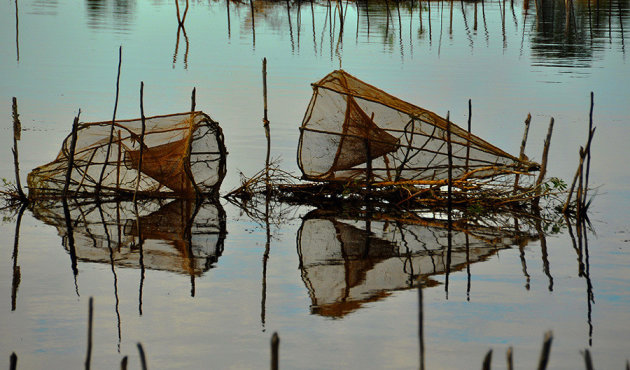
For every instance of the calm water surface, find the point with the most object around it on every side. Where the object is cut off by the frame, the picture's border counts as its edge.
(216, 304)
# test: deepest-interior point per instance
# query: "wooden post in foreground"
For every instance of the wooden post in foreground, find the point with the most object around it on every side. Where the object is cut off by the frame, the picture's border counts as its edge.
(88, 357)
(544, 354)
(275, 343)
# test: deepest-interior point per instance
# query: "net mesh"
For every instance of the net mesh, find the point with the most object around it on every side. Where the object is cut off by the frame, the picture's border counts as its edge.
(183, 154)
(351, 128)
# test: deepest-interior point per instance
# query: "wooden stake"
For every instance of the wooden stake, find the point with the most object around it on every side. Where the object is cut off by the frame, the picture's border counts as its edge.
(73, 144)
(17, 133)
(578, 171)
(587, 359)
(143, 360)
(546, 349)
(543, 165)
(192, 99)
(487, 360)
(421, 325)
(266, 125)
(111, 133)
(89, 341)
(13, 361)
(523, 143)
(135, 193)
(450, 164)
(510, 362)
(588, 150)
(275, 343)
(469, 129)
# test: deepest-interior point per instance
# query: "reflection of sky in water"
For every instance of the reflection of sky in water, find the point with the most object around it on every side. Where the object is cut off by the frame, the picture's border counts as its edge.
(68, 57)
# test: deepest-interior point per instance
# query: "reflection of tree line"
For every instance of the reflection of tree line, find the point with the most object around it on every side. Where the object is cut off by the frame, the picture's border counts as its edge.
(559, 29)
(568, 30)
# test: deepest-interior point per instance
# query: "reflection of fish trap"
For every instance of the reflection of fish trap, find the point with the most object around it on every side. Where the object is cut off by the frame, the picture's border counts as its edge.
(182, 155)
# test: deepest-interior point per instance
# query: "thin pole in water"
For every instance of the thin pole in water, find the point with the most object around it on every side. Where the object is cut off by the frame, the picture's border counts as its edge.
(193, 102)
(275, 344)
(89, 341)
(17, 133)
(111, 133)
(135, 193)
(266, 125)
(73, 144)
(143, 360)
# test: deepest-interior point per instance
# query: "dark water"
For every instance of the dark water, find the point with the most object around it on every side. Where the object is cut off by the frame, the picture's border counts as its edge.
(209, 293)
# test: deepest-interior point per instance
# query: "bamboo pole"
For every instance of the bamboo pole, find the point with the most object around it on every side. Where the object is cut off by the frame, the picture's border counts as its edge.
(17, 133)
(588, 150)
(523, 144)
(578, 171)
(17, 276)
(486, 360)
(421, 325)
(449, 199)
(88, 357)
(543, 165)
(111, 133)
(193, 102)
(13, 361)
(143, 359)
(266, 125)
(546, 350)
(275, 344)
(469, 129)
(73, 144)
(135, 193)
(588, 362)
